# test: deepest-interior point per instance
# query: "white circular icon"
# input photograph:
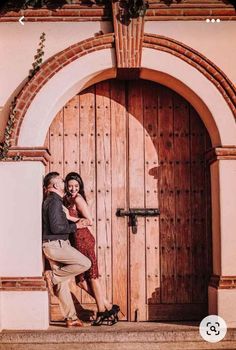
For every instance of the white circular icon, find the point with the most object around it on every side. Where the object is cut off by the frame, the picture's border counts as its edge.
(213, 328)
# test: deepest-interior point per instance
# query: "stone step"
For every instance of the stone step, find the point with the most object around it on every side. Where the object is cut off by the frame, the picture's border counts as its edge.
(122, 336)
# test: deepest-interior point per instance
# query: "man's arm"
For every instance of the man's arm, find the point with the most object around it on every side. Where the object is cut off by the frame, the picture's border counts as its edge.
(57, 219)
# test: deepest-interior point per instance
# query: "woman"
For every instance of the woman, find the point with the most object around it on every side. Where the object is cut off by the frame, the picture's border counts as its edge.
(76, 203)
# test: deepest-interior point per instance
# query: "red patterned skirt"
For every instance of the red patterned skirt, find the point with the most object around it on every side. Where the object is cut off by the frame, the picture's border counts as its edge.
(85, 243)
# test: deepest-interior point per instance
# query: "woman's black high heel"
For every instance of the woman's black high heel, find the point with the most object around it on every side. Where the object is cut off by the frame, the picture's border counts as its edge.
(102, 318)
(114, 314)
(108, 317)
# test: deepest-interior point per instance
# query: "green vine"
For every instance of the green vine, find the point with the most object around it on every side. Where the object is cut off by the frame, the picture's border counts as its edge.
(6, 144)
(38, 58)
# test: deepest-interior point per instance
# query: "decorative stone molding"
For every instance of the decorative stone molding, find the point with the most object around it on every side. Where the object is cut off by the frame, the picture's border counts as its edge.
(16, 284)
(219, 153)
(30, 154)
(128, 39)
(223, 282)
(198, 61)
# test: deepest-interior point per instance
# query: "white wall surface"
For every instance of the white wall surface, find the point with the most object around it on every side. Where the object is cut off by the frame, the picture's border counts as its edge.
(20, 217)
(19, 43)
(0, 311)
(214, 40)
(25, 310)
(227, 177)
(226, 305)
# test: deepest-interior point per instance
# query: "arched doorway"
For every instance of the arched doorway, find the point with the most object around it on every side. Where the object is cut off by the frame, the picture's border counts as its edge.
(138, 144)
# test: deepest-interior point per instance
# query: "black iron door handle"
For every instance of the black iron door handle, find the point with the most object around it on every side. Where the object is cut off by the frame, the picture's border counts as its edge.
(132, 213)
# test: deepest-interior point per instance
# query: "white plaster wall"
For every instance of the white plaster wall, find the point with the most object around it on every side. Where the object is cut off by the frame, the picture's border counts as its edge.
(227, 306)
(20, 217)
(57, 91)
(18, 45)
(212, 301)
(214, 40)
(201, 86)
(25, 310)
(0, 311)
(227, 174)
(216, 218)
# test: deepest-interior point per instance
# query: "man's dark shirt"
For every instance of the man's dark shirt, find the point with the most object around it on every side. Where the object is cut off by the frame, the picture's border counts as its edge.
(55, 223)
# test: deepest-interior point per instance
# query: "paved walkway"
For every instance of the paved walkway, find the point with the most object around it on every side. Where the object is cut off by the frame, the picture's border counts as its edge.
(122, 336)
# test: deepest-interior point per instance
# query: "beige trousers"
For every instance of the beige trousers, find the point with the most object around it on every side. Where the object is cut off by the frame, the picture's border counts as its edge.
(66, 262)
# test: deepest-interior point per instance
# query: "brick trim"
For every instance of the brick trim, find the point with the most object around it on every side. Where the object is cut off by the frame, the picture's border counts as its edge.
(30, 154)
(49, 69)
(221, 153)
(72, 12)
(16, 284)
(188, 10)
(198, 61)
(101, 42)
(223, 282)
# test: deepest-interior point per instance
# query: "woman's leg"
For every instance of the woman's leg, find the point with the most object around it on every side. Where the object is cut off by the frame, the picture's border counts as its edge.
(82, 285)
(94, 289)
(102, 302)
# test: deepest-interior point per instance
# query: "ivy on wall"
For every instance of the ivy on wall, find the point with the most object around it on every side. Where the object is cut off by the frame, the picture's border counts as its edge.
(6, 144)
(38, 58)
(132, 9)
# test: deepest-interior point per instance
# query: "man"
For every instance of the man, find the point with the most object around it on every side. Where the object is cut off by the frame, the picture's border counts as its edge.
(66, 261)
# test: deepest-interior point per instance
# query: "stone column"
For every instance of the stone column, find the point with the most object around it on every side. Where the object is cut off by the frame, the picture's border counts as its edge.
(23, 294)
(222, 287)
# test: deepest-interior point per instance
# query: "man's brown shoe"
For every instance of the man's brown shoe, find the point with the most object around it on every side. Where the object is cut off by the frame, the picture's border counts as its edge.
(74, 323)
(48, 278)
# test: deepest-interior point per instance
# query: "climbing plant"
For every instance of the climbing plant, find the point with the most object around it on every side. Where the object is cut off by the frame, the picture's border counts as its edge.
(38, 58)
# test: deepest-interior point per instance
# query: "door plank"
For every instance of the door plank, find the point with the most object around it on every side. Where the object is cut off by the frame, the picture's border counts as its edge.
(103, 146)
(167, 197)
(47, 145)
(87, 158)
(119, 195)
(198, 221)
(136, 198)
(57, 144)
(182, 205)
(150, 105)
(71, 135)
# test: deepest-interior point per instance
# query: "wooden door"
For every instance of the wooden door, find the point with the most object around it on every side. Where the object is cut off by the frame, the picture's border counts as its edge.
(138, 144)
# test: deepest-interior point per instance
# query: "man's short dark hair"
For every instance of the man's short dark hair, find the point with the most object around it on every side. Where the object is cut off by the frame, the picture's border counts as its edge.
(48, 178)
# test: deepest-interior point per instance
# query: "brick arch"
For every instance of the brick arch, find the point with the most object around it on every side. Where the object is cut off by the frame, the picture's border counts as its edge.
(196, 60)
(101, 42)
(49, 69)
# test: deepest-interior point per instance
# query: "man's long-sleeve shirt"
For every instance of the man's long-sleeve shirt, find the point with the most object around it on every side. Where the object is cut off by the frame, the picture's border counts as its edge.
(55, 223)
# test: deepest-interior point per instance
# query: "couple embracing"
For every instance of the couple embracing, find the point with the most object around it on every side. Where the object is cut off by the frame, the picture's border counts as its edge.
(66, 215)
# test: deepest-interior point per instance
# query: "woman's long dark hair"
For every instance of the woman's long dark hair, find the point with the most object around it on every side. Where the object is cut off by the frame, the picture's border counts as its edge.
(75, 176)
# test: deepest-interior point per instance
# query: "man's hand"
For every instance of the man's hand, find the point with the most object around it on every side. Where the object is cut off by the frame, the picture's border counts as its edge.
(83, 223)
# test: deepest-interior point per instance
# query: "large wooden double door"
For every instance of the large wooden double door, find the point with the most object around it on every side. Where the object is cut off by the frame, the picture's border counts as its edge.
(138, 144)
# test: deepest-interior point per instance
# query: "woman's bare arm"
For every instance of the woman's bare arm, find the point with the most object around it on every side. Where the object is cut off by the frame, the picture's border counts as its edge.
(83, 208)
